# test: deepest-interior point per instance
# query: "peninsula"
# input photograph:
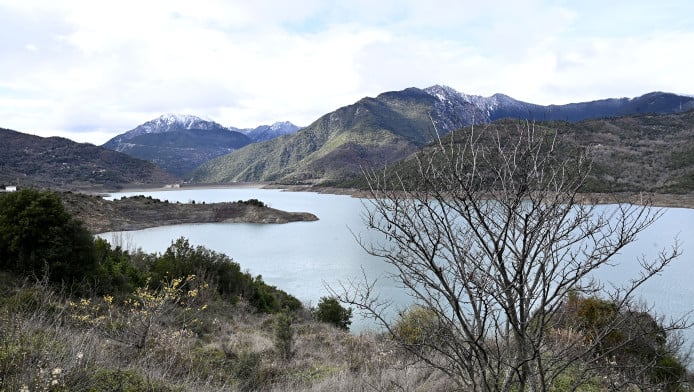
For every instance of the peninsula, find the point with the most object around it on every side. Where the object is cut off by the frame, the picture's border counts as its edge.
(139, 212)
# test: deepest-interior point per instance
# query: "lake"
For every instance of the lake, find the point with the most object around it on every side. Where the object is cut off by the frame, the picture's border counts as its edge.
(303, 257)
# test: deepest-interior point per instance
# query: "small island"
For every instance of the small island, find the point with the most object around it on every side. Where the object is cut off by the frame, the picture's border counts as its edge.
(140, 212)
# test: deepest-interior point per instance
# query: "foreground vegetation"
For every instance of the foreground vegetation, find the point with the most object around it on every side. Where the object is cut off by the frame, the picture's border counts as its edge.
(77, 313)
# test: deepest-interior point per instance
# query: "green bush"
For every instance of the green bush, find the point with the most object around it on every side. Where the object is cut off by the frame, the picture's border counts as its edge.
(253, 202)
(670, 372)
(634, 339)
(94, 380)
(416, 327)
(284, 335)
(222, 273)
(248, 371)
(330, 311)
(115, 272)
(38, 237)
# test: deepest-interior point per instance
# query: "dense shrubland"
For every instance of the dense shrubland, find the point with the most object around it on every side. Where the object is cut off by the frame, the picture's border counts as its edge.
(77, 313)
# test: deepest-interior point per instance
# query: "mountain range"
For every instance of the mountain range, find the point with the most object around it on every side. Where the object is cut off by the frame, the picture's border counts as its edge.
(639, 150)
(374, 132)
(180, 143)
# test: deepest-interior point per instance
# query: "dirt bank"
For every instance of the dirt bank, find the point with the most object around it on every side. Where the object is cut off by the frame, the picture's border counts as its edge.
(139, 212)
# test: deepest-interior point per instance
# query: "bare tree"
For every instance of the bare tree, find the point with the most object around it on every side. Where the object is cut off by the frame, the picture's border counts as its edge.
(487, 230)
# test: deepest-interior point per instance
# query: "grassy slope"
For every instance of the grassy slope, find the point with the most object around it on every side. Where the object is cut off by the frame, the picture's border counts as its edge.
(52, 342)
(374, 131)
(653, 153)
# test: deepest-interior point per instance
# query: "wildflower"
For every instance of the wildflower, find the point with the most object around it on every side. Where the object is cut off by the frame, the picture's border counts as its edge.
(56, 372)
(80, 355)
(24, 388)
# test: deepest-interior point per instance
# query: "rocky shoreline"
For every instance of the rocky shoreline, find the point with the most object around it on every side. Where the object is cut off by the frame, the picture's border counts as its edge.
(671, 200)
(135, 213)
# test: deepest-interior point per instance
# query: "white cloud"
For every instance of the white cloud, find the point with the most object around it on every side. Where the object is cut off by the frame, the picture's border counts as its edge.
(90, 69)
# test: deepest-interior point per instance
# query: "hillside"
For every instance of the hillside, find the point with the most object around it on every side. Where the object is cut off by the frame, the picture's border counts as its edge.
(370, 132)
(634, 153)
(181, 143)
(178, 144)
(653, 153)
(181, 151)
(28, 160)
(374, 132)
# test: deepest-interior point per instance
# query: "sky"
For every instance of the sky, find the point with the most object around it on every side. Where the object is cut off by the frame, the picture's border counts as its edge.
(89, 70)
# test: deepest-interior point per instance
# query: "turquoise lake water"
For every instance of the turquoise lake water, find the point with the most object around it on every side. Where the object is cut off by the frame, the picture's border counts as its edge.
(303, 258)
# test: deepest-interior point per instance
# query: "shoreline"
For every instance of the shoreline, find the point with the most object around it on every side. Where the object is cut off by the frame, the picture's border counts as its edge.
(664, 200)
(173, 187)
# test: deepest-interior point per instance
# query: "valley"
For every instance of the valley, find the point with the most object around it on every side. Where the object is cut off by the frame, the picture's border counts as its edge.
(638, 157)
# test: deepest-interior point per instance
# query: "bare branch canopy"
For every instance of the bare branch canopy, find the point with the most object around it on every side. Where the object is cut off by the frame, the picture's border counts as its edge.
(487, 230)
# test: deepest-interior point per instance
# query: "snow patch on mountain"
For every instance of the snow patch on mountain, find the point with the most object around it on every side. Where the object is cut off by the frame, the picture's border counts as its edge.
(487, 105)
(267, 132)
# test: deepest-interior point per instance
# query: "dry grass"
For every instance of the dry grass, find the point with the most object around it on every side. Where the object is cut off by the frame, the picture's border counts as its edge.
(43, 348)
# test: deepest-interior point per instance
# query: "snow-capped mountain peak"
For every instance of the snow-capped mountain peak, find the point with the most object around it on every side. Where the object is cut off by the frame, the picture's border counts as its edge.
(166, 123)
(176, 122)
(447, 94)
(171, 121)
(173, 118)
(266, 132)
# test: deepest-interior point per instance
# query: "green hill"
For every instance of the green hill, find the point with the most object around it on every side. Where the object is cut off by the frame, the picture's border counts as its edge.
(373, 131)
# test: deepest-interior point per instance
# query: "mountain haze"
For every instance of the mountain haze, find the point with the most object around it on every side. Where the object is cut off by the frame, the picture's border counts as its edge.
(377, 131)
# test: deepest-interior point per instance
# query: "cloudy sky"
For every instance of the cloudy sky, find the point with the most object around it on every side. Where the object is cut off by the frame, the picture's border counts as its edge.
(89, 70)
